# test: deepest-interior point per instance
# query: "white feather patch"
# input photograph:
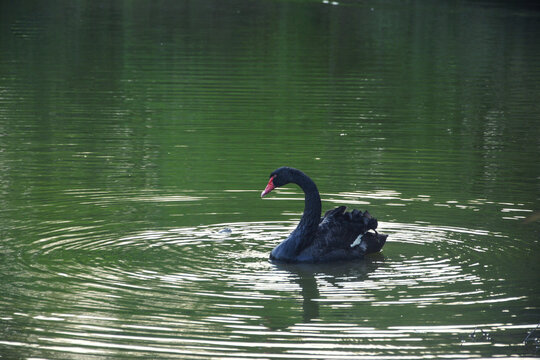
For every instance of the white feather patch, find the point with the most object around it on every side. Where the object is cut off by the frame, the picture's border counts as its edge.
(357, 240)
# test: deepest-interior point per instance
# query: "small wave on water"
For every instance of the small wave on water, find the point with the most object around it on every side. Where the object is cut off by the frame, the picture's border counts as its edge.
(209, 291)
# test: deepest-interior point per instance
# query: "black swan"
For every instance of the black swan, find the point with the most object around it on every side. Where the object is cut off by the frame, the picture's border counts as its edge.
(338, 235)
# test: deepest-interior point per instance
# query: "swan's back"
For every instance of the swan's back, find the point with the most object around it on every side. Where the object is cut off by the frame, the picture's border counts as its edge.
(337, 231)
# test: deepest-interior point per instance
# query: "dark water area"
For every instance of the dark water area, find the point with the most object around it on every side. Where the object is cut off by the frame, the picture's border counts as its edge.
(136, 137)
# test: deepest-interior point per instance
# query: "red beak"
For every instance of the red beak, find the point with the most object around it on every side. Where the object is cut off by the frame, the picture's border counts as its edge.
(269, 187)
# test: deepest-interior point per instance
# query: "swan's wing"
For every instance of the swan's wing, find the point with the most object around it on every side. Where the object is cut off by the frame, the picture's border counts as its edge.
(338, 228)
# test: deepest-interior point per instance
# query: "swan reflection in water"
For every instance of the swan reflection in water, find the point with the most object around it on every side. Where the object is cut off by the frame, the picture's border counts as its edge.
(308, 277)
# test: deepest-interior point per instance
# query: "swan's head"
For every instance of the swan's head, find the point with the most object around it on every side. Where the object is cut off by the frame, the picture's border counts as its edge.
(280, 177)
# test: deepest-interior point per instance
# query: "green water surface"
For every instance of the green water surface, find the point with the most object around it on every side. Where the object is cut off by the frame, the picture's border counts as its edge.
(136, 137)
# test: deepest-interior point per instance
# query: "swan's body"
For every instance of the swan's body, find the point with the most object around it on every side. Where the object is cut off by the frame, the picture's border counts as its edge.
(339, 235)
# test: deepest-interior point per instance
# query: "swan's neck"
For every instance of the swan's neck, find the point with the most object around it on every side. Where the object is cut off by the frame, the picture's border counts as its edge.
(312, 207)
(305, 232)
(303, 235)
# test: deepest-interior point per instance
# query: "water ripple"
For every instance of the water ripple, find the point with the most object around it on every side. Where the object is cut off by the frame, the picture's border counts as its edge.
(206, 291)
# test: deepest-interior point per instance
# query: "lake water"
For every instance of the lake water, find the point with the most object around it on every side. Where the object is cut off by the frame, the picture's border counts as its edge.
(136, 137)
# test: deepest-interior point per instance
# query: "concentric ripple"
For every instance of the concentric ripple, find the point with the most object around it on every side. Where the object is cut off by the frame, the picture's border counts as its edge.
(208, 292)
